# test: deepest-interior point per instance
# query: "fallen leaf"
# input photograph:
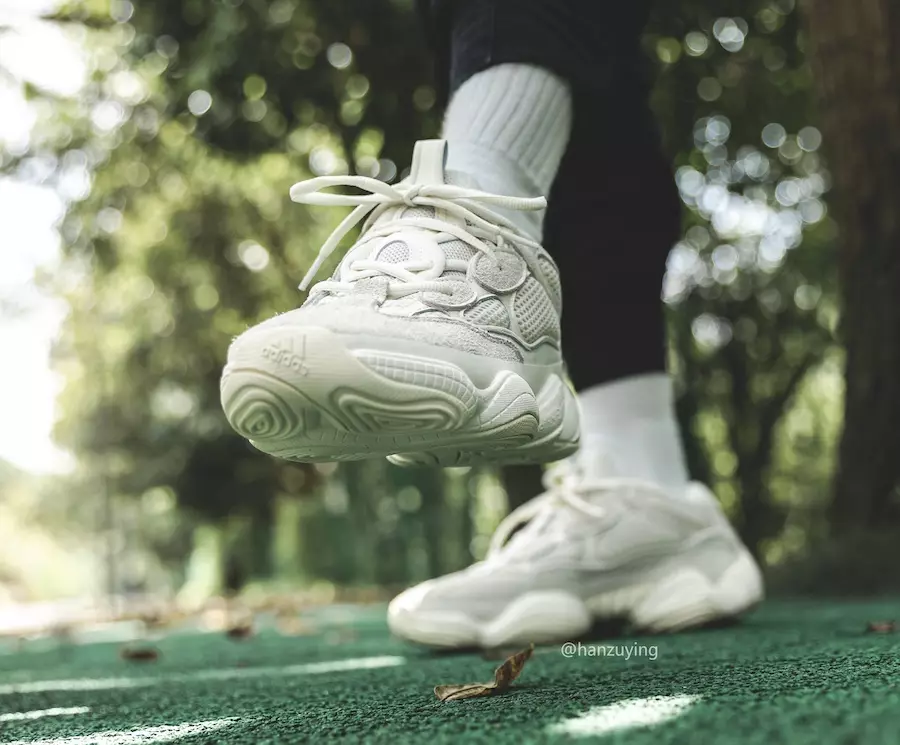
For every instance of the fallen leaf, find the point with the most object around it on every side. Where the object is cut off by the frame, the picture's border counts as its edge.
(64, 634)
(503, 678)
(139, 654)
(512, 667)
(239, 631)
(157, 620)
(881, 627)
(460, 692)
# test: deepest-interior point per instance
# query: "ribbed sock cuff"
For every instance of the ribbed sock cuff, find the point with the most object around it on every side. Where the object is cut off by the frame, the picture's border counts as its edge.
(522, 112)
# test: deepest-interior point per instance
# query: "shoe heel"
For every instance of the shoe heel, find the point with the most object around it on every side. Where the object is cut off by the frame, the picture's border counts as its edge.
(688, 598)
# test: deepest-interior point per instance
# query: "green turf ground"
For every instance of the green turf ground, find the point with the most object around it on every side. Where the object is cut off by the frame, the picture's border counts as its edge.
(792, 673)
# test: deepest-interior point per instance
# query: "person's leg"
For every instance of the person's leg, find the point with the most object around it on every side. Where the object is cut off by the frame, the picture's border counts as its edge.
(437, 340)
(517, 74)
(620, 532)
(507, 127)
(610, 235)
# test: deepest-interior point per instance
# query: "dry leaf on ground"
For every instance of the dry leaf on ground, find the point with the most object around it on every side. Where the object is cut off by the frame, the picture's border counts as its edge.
(503, 678)
(139, 654)
(240, 631)
(881, 627)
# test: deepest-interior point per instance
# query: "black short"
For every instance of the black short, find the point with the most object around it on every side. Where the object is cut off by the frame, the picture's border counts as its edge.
(592, 44)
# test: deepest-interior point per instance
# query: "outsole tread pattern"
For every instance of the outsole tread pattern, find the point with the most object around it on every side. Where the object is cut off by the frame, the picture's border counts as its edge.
(329, 403)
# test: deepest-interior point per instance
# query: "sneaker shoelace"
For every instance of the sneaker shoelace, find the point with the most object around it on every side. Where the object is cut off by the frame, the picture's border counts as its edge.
(566, 485)
(470, 206)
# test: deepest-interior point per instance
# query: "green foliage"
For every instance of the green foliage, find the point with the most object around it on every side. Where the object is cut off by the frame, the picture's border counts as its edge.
(201, 115)
(751, 287)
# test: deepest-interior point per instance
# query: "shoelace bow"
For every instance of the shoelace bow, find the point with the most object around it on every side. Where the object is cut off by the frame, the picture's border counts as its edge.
(566, 484)
(471, 206)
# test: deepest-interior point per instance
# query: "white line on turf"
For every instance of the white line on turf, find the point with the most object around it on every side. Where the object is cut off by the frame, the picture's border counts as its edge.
(22, 716)
(164, 733)
(636, 712)
(102, 684)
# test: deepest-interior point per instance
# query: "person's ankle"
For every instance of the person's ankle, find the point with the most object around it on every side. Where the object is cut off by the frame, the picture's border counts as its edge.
(480, 168)
(631, 425)
(508, 126)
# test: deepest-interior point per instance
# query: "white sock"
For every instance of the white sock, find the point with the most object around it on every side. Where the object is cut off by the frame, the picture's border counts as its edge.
(630, 424)
(507, 128)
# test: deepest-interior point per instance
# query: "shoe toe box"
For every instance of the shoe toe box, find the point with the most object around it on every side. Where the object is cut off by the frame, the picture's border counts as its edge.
(453, 610)
(360, 320)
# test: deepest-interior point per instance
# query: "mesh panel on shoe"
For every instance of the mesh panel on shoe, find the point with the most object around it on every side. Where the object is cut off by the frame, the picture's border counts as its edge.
(417, 212)
(535, 312)
(395, 252)
(552, 275)
(458, 250)
(488, 312)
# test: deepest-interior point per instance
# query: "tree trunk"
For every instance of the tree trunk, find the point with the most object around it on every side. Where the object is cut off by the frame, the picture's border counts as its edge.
(855, 54)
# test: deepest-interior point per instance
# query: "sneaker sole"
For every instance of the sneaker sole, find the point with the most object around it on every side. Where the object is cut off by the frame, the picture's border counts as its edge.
(680, 600)
(301, 394)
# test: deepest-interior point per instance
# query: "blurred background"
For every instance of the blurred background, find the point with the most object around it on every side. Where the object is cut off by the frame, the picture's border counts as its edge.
(146, 151)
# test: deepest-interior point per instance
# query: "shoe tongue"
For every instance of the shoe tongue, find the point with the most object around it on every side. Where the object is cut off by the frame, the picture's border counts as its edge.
(429, 158)
(417, 212)
(594, 461)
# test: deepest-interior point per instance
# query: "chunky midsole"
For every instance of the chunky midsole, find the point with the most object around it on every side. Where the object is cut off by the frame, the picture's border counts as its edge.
(679, 600)
(303, 394)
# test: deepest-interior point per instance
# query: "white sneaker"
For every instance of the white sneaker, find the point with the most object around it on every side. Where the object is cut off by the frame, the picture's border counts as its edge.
(593, 549)
(436, 341)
